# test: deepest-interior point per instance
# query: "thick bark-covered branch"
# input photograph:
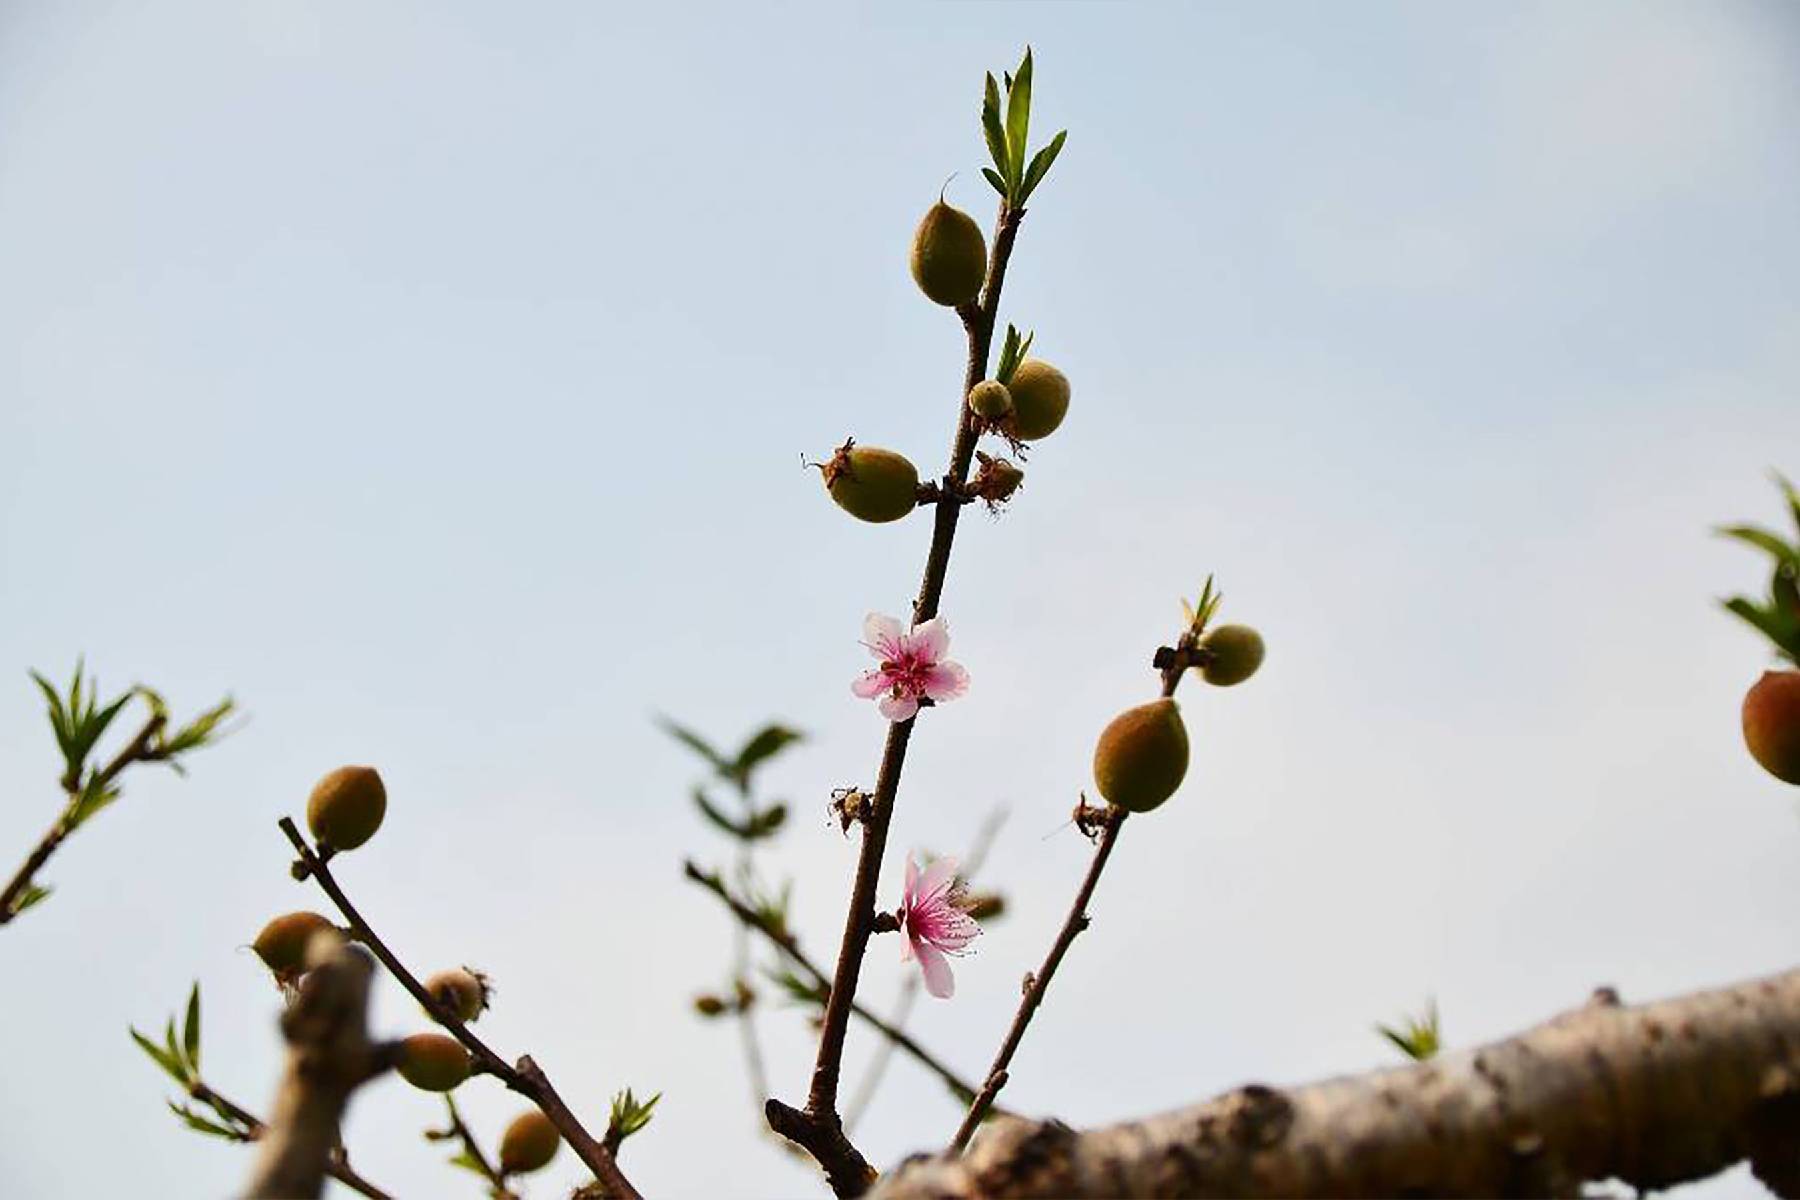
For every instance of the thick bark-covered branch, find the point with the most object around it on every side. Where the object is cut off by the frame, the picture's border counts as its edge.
(329, 1057)
(1653, 1095)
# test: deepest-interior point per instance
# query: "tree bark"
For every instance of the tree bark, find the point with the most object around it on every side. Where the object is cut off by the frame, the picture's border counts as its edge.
(329, 1057)
(1653, 1095)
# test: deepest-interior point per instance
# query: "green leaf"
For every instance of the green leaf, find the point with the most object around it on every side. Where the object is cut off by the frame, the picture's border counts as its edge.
(1040, 165)
(630, 1114)
(799, 991)
(191, 1030)
(93, 798)
(203, 730)
(468, 1162)
(168, 1062)
(993, 177)
(1763, 540)
(32, 894)
(725, 823)
(995, 133)
(696, 743)
(1780, 627)
(1792, 495)
(59, 721)
(767, 742)
(767, 822)
(200, 1124)
(1018, 123)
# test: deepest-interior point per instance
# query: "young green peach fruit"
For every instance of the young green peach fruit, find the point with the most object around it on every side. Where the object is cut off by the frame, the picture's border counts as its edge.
(872, 484)
(282, 943)
(990, 400)
(346, 807)
(1772, 724)
(432, 1062)
(462, 991)
(949, 256)
(1040, 396)
(528, 1144)
(1142, 756)
(1233, 654)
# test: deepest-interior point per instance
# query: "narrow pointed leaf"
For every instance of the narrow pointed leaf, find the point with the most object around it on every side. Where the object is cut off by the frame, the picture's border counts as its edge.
(993, 177)
(191, 1032)
(1040, 165)
(33, 894)
(696, 743)
(1018, 122)
(1763, 540)
(764, 745)
(995, 132)
(723, 822)
(161, 1057)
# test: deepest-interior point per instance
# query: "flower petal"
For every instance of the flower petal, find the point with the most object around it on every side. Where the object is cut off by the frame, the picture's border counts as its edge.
(930, 640)
(953, 930)
(936, 969)
(870, 684)
(946, 681)
(881, 634)
(906, 947)
(898, 708)
(938, 876)
(912, 880)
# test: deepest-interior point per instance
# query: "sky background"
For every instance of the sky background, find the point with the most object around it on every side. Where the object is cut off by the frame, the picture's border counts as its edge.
(434, 379)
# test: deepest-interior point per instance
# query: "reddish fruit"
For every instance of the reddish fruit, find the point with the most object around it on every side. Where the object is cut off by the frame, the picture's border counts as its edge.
(346, 807)
(282, 943)
(1142, 757)
(432, 1062)
(1772, 724)
(464, 992)
(528, 1144)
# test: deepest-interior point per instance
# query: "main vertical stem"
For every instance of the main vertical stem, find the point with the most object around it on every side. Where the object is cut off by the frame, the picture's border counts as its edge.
(821, 1103)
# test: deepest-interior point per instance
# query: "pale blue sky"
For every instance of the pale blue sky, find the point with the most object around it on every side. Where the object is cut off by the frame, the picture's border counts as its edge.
(435, 377)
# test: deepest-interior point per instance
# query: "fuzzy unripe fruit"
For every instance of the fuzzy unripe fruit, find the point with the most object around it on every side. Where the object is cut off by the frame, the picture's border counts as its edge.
(1233, 654)
(872, 484)
(949, 256)
(282, 943)
(990, 400)
(1040, 397)
(346, 807)
(433, 1062)
(528, 1144)
(462, 991)
(1772, 724)
(1142, 756)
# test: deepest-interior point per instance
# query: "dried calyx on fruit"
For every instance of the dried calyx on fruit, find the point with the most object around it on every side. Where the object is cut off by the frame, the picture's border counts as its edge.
(996, 481)
(1230, 654)
(871, 484)
(1040, 398)
(346, 808)
(528, 1144)
(282, 943)
(949, 256)
(1142, 756)
(1772, 724)
(990, 400)
(462, 990)
(433, 1062)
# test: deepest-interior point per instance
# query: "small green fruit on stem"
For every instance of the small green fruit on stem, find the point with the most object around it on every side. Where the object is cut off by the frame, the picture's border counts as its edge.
(1233, 653)
(433, 1062)
(1142, 756)
(872, 484)
(282, 943)
(528, 1144)
(1772, 724)
(462, 991)
(346, 808)
(1040, 398)
(990, 400)
(949, 256)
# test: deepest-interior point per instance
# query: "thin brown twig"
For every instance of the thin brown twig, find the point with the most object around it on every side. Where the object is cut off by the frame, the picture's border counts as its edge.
(526, 1078)
(459, 1129)
(253, 1126)
(818, 1127)
(788, 945)
(139, 749)
(1172, 665)
(909, 986)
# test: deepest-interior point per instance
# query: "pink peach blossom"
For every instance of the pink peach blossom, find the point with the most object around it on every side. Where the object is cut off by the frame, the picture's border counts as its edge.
(933, 915)
(913, 666)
